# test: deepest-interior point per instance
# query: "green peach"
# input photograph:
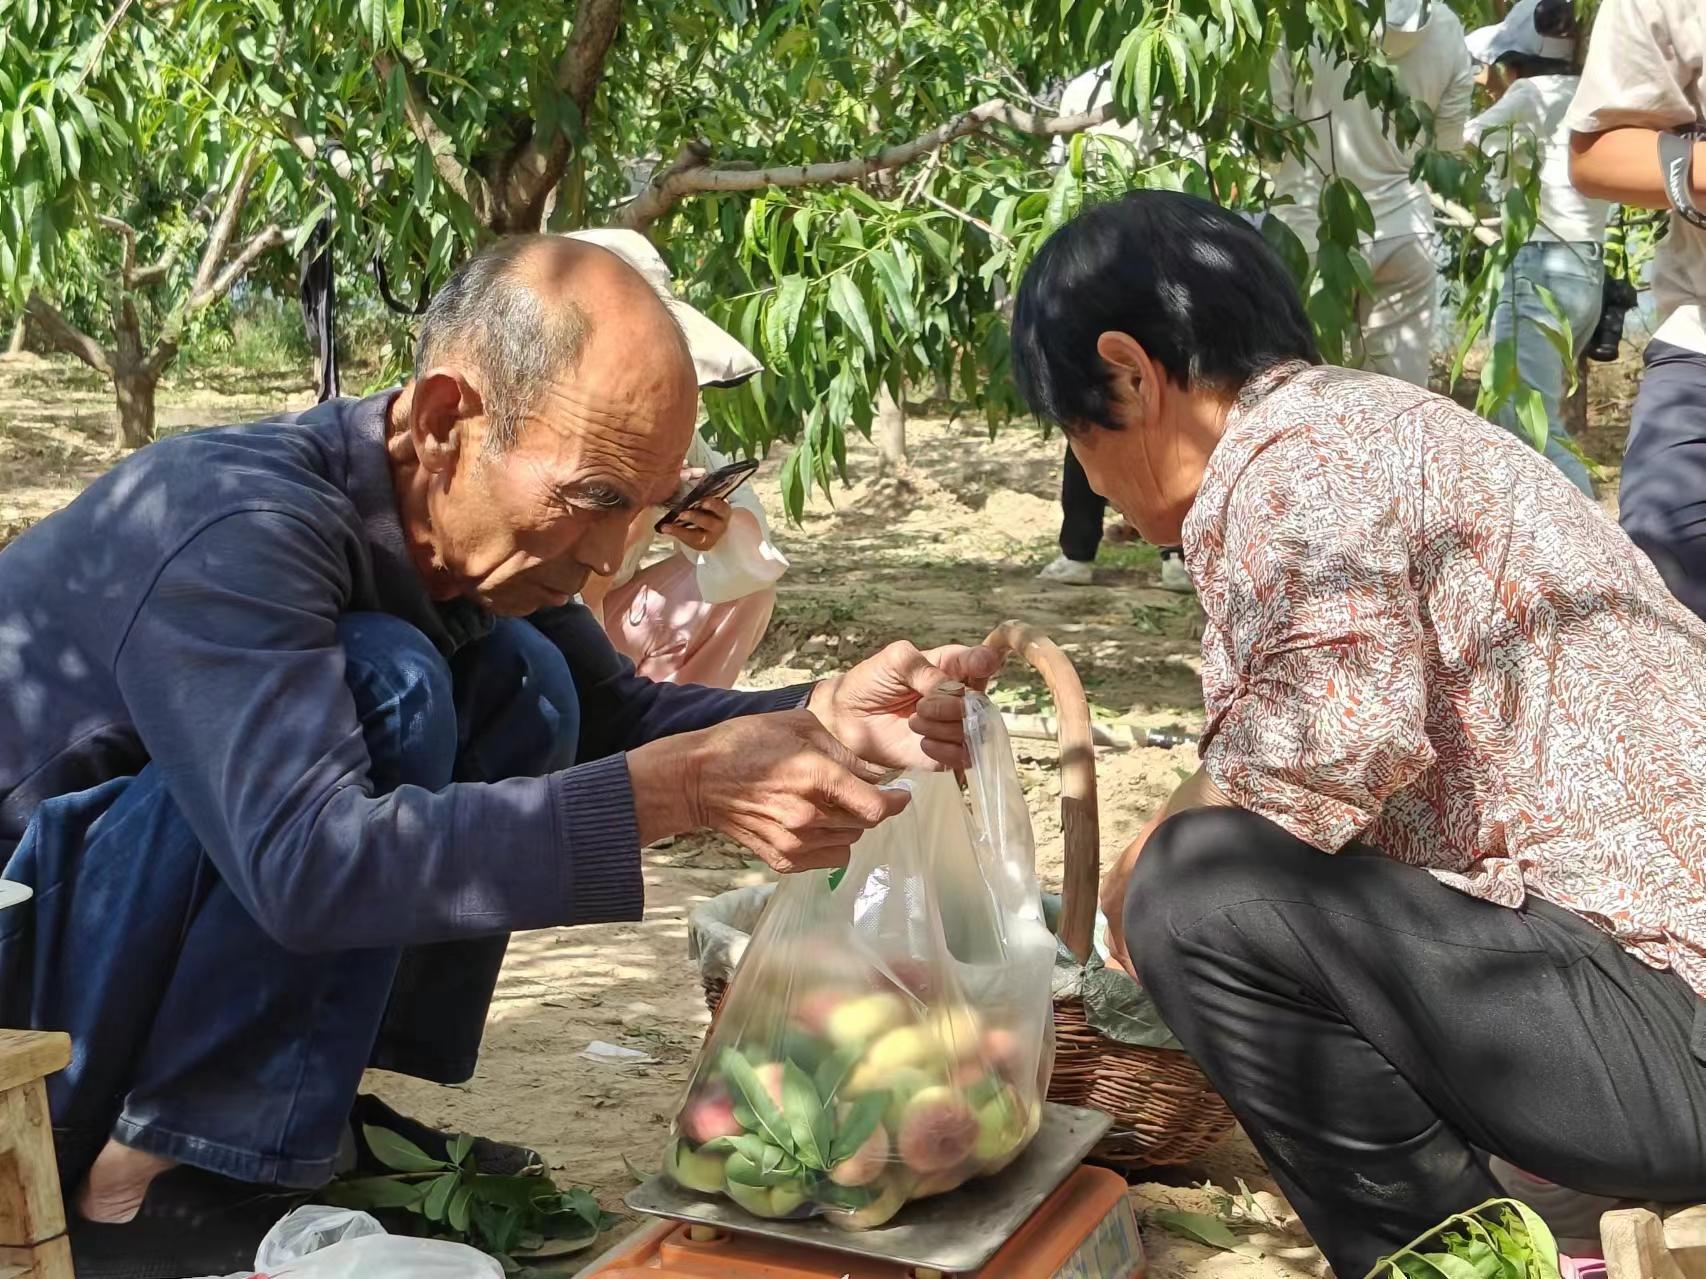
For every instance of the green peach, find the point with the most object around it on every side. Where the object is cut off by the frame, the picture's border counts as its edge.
(695, 1169)
(859, 1021)
(890, 1200)
(772, 1201)
(904, 1046)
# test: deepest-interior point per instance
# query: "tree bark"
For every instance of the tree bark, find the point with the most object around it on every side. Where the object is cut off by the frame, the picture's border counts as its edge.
(891, 431)
(134, 388)
(134, 379)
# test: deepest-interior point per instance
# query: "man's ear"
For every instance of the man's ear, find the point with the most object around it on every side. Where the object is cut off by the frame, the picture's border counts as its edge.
(441, 402)
(1135, 376)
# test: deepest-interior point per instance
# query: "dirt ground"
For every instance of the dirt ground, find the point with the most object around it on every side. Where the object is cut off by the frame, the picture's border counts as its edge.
(937, 557)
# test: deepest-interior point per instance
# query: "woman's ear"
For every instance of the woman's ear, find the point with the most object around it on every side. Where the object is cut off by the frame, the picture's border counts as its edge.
(1135, 378)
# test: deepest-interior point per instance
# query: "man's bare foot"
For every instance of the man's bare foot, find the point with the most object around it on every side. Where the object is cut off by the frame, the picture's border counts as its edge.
(119, 1178)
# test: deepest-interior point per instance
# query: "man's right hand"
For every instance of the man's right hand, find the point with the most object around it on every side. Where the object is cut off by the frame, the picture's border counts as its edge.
(778, 784)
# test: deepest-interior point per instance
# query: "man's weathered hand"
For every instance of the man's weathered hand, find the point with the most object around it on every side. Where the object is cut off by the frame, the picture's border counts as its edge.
(903, 708)
(779, 785)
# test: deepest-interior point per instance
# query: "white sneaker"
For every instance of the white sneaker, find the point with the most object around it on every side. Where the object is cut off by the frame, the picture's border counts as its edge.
(1175, 576)
(1069, 572)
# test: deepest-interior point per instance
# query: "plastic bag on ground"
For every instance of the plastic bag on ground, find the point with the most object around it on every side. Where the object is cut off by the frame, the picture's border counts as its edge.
(391, 1257)
(319, 1242)
(309, 1229)
(888, 1036)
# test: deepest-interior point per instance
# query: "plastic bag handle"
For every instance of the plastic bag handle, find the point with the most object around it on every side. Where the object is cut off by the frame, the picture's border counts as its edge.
(1079, 822)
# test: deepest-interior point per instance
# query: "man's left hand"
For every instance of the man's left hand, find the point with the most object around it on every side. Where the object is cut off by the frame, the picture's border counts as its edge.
(903, 708)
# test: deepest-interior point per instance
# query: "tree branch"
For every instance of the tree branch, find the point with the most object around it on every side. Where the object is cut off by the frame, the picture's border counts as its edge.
(963, 216)
(273, 237)
(154, 272)
(219, 238)
(469, 186)
(62, 335)
(127, 271)
(525, 179)
(582, 65)
(333, 152)
(1459, 216)
(680, 181)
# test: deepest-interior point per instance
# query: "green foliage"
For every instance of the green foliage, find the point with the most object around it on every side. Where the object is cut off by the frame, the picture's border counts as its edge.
(1500, 1239)
(504, 1216)
(425, 128)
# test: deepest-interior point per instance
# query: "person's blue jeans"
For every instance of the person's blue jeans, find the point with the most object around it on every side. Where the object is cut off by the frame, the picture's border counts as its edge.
(195, 1036)
(1575, 276)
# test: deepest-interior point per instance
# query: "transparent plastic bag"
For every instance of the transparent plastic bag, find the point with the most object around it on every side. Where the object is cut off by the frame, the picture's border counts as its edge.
(391, 1257)
(320, 1242)
(309, 1229)
(889, 1033)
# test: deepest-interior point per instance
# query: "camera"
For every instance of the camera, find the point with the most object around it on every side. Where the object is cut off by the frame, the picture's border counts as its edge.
(1608, 333)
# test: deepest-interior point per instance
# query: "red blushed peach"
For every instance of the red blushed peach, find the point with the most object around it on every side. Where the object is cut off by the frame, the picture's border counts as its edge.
(770, 1077)
(708, 1117)
(1004, 1051)
(814, 1010)
(865, 1164)
(937, 1131)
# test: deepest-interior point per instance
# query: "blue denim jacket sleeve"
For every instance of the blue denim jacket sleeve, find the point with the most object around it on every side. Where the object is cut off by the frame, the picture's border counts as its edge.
(234, 678)
(621, 710)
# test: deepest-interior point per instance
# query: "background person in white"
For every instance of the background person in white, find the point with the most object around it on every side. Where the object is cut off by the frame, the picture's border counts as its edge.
(1425, 44)
(1643, 76)
(1082, 509)
(1532, 55)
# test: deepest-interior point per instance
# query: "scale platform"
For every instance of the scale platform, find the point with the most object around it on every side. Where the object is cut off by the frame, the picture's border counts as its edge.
(988, 1229)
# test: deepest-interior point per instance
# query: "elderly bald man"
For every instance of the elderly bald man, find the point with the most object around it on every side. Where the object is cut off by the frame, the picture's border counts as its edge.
(299, 719)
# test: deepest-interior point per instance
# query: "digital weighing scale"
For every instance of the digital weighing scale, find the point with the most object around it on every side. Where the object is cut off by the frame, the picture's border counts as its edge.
(1045, 1217)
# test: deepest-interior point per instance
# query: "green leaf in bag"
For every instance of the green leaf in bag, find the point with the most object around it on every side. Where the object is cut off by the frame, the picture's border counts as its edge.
(833, 1070)
(749, 1092)
(861, 1121)
(807, 1118)
(743, 1171)
(771, 1167)
(852, 1198)
(749, 1146)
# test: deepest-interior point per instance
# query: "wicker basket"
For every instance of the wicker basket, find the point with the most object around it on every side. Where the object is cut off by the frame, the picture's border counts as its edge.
(1163, 1108)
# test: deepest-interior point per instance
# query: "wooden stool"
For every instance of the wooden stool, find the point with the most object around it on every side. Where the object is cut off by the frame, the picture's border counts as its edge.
(1639, 1244)
(32, 1216)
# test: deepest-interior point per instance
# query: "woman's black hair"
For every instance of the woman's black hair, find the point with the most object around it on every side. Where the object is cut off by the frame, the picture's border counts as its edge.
(1195, 285)
(1523, 65)
(1555, 19)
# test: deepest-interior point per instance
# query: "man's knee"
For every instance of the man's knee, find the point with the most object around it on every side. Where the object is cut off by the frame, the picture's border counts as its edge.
(518, 695)
(1198, 863)
(544, 667)
(404, 698)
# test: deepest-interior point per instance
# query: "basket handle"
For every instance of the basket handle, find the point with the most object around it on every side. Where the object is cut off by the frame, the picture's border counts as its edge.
(1079, 823)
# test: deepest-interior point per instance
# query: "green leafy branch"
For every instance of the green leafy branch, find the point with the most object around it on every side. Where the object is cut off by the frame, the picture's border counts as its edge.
(508, 1217)
(799, 1136)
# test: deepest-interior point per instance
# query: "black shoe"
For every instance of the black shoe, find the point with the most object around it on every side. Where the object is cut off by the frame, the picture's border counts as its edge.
(495, 1158)
(191, 1223)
